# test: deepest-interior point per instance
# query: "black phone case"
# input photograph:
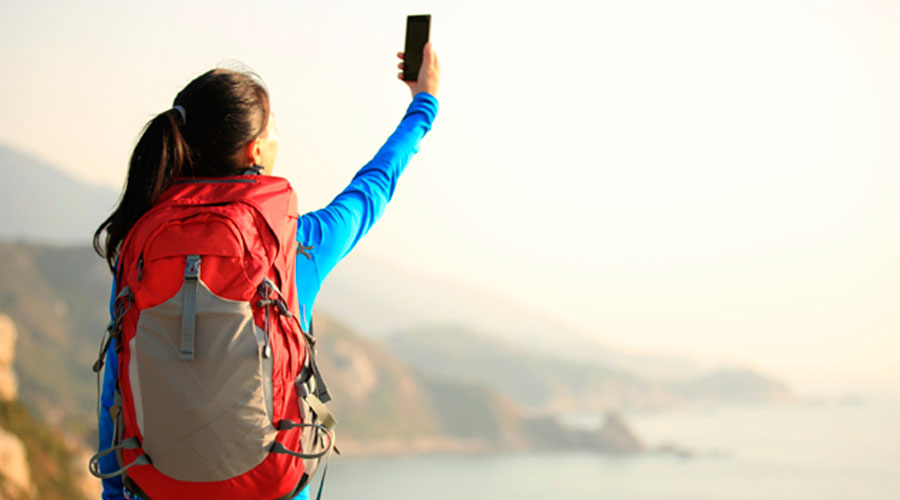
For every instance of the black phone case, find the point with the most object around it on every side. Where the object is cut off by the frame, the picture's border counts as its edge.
(418, 29)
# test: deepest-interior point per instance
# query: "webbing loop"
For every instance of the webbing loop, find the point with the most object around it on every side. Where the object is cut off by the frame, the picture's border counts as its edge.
(284, 425)
(128, 444)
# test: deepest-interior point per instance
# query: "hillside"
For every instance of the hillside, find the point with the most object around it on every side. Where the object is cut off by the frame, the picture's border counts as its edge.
(57, 297)
(38, 202)
(384, 405)
(56, 470)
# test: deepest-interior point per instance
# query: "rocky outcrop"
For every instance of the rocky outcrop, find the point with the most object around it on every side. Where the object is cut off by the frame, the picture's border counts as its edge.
(36, 461)
(618, 436)
(9, 384)
(548, 433)
(14, 470)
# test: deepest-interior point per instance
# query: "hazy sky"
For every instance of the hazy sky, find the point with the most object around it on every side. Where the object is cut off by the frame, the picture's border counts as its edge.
(719, 178)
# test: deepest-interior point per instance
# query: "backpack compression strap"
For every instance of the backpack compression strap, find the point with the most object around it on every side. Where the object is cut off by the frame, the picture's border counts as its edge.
(189, 307)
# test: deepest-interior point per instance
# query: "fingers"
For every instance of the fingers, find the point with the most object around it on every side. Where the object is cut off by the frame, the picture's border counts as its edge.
(401, 65)
(400, 55)
(429, 57)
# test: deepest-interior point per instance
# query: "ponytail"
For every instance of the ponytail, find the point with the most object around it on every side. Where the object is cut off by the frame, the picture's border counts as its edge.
(160, 155)
(227, 109)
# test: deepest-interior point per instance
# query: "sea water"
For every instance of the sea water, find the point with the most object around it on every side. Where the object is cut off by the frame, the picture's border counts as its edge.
(787, 452)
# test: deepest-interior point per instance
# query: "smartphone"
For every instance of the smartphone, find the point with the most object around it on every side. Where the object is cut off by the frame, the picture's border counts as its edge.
(417, 28)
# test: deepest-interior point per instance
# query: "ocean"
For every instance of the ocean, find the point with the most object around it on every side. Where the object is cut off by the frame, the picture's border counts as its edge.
(786, 452)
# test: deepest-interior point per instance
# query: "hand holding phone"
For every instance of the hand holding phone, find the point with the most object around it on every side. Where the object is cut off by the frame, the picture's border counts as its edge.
(421, 70)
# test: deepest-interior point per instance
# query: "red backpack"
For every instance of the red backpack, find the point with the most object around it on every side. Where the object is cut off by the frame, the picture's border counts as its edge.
(218, 392)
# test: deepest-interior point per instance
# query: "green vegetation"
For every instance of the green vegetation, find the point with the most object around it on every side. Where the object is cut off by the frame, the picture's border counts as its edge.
(51, 461)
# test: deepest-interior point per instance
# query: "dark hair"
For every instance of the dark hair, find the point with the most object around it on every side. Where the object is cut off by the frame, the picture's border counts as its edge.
(223, 111)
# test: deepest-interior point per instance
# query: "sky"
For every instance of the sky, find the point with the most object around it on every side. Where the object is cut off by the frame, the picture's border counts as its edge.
(716, 178)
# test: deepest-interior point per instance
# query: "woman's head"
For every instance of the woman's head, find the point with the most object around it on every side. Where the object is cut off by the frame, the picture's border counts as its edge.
(219, 124)
(225, 111)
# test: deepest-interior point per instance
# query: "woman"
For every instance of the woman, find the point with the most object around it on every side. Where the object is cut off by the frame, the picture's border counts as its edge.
(221, 124)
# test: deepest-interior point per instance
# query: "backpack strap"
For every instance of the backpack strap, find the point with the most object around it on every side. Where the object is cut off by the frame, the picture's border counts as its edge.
(321, 391)
(189, 306)
(324, 473)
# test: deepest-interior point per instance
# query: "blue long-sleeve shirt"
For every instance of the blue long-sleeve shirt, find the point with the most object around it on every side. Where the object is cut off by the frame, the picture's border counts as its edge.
(332, 231)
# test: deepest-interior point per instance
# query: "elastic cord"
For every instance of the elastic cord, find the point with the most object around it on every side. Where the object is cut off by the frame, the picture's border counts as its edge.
(182, 112)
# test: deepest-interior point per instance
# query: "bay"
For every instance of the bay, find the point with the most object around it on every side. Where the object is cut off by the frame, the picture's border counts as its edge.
(788, 452)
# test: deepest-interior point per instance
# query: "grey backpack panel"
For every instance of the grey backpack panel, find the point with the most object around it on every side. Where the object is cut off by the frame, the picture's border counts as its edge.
(208, 419)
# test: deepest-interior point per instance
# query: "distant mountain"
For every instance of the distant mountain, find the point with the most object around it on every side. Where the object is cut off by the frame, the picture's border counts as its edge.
(539, 383)
(733, 385)
(377, 297)
(548, 383)
(38, 202)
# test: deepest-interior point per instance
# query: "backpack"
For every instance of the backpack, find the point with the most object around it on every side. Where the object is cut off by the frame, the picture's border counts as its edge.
(218, 393)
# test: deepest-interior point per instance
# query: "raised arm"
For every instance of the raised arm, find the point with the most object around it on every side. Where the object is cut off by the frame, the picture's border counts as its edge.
(334, 230)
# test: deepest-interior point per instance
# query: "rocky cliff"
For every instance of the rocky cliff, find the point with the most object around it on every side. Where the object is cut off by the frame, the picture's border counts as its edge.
(35, 461)
(9, 384)
(15, 475)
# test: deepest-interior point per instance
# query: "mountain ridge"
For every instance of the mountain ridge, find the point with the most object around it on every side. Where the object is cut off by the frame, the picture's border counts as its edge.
(41, 203)
(387, 297)
(544, 383)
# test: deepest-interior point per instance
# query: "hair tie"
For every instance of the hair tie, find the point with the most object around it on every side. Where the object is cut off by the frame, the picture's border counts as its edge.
(182, 112)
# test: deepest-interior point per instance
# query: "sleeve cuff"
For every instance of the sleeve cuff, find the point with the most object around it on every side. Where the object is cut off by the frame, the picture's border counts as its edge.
(425, 103)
